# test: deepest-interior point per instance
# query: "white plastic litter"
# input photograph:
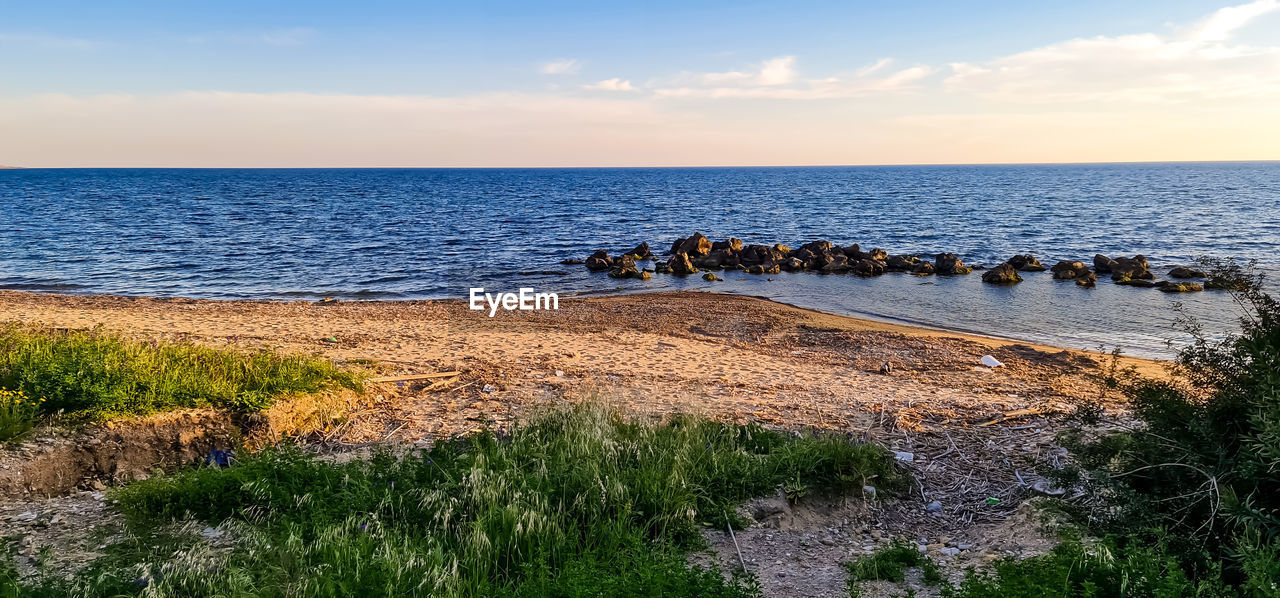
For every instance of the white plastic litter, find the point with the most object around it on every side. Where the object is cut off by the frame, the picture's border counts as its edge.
(991, 362)
(904, 456)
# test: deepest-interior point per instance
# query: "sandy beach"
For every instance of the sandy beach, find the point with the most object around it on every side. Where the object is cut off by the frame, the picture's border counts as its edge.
(730, 357)
(969, 435)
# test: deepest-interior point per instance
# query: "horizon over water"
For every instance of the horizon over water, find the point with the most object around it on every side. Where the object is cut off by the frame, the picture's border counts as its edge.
(402, 233)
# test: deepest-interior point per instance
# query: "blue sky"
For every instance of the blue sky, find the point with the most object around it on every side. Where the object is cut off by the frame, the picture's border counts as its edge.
(806, 75)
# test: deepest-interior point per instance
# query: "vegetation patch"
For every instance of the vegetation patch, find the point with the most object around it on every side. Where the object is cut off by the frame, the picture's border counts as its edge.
(890, 564)
(95, 375)
(580, 502)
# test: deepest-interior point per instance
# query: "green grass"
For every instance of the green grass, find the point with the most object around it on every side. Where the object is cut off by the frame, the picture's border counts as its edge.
(578, 503)
(95, 375)
(890, 564)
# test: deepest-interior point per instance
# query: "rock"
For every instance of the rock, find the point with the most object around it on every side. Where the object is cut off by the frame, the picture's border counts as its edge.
(836, 264)
(709, 277)
(695, 245)
(716, 259)
(869, 267)
(599, 261)
(1069, 270)
(782, 250)
(963, 546)
(1003, 274)
(675, 246)
(573, 262)
(622, 273)
(1184, 272)
(1087, 281)
(949, 264)
(1135, 282)
(623, 261)
(876, 254)
(817, 246)
(1026, 263)
(1102, 264)
(853, 252)
(680, 265)
(949, 551)
(924, 268)
(792, 264)
(934, 507)
(641, 251)
(1134, 268)
(733, 244)
(643, 275)
(662, 268)
(901, 263)
(1179, 287)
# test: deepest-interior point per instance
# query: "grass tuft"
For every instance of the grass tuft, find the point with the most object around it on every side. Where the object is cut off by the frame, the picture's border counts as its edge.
(580, 502)
(96, 375)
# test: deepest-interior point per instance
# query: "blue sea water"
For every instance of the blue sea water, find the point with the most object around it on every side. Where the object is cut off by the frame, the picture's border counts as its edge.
(432, 233)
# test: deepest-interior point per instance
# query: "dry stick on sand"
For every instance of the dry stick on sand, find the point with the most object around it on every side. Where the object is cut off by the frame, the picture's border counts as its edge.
(409, 377)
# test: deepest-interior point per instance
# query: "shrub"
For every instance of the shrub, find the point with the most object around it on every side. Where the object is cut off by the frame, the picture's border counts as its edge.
(1200, 474)
(95, 374)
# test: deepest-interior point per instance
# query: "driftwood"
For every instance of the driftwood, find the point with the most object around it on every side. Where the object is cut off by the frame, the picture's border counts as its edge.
(1014, 414)
(409, 377)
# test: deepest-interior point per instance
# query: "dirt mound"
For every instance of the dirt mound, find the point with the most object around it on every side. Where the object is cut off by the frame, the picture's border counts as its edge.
(53, 463)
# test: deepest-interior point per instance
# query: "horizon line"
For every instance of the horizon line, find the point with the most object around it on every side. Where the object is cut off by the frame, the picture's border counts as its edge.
(637, 167)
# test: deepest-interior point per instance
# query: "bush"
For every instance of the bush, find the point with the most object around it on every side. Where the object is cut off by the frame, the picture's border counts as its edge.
(96, 375)
(1200, 474)
(578, 503)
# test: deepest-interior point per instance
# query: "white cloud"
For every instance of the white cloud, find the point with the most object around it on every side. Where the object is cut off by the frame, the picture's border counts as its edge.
(1220, 25)
(778, 79)
(1140, 67)
(614, 84)
(564, 66)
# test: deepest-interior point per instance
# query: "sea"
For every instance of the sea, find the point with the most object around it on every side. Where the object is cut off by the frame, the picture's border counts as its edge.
(388, 234)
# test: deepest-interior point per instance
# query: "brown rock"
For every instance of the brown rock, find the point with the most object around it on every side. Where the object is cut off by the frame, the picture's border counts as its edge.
(1003, 274)
(949, 264)
(1026, 263)
(695, 245)
(1184, 272)
(599, 261)
(1102, 264)
(680, 265)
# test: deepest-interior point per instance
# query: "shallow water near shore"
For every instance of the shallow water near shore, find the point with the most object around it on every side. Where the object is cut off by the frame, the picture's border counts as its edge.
(435, 233)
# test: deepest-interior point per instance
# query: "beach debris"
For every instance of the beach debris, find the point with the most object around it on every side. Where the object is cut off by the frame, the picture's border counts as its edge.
(1014, 414)
(904, 456)
(991, 362)
(991, 500)
(869, 491)
(220, 457)
(559, 373)
(1005, 273)
(489, 388)
(886, 368)
(934, 507)
(409, 377)
(978, 368)
(1047, 488)
(327, 300)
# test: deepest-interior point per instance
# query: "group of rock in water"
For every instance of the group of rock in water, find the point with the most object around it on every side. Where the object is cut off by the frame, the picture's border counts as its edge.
(695, 253)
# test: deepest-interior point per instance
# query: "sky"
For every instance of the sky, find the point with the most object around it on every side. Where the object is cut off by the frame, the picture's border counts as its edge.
(232, 83)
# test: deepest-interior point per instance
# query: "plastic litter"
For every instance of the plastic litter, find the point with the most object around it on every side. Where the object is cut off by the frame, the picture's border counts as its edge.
(991, 362)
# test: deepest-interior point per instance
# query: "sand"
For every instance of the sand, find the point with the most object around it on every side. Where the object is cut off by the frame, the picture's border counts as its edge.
(735, 358)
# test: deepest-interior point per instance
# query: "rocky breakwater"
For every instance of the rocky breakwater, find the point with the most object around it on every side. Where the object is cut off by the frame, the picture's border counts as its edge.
(696, 253)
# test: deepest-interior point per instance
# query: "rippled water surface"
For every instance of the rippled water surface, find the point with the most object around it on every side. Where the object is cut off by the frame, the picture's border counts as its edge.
(385, 234)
